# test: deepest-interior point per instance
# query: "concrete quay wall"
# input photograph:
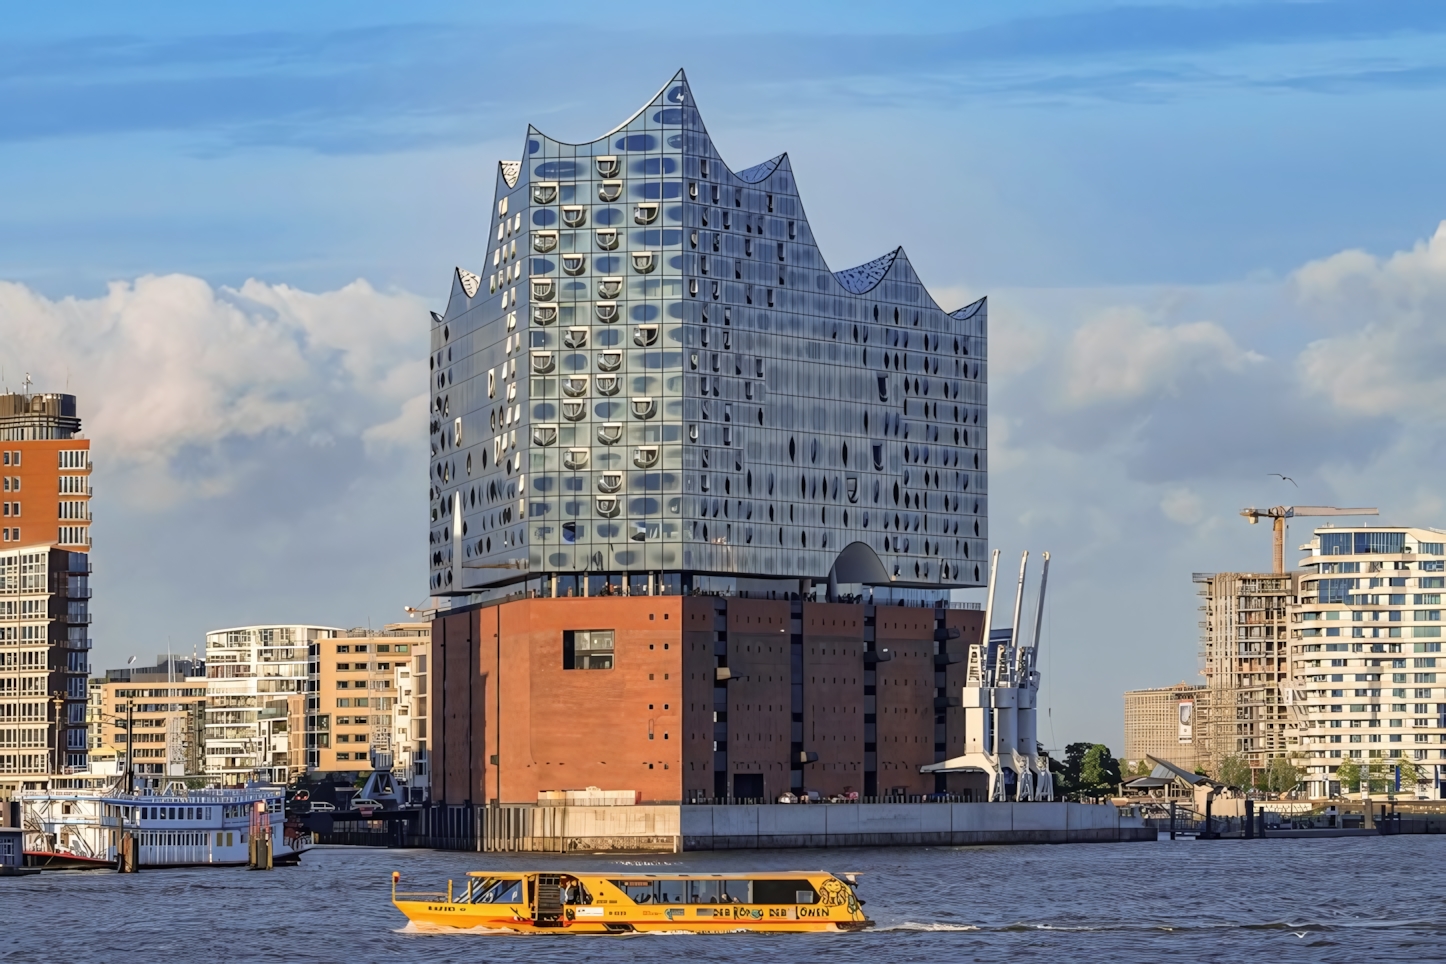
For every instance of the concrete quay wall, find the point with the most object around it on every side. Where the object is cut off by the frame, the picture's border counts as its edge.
(904, 825)
(672, 828)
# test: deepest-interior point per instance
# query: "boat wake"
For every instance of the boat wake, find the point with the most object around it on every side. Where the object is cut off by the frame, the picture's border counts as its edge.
(421, 927)
(1299, 929)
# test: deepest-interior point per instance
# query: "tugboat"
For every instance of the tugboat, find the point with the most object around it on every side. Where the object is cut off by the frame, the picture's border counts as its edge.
(618, 903)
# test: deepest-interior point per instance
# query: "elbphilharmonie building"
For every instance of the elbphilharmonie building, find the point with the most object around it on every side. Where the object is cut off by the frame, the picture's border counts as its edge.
(653, 383)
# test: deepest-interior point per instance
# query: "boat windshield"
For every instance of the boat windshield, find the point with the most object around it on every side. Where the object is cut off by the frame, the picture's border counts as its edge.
(494, 890)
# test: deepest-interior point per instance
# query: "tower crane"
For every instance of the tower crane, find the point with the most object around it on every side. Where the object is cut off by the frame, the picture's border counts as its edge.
(1282, 512)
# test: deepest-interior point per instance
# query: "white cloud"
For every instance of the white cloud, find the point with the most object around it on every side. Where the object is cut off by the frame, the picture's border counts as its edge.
(1386, 354)
(1182, 505)
(167, 366)
(1120, 355)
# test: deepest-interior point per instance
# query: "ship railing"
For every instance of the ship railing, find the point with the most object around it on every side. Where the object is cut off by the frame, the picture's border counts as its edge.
(431, 896)
(201, 796)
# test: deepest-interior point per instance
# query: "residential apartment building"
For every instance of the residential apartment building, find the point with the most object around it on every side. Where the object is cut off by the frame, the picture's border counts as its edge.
(44, 588)
(1367, 671)
(1162, 722)
(149, 721)
(44, 622)
(259, 680)
(44, 472)
(366, 695)
(410, 723)
(1244, 628)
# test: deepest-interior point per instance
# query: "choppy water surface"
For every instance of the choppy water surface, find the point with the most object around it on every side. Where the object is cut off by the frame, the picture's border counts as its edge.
(1352, 899)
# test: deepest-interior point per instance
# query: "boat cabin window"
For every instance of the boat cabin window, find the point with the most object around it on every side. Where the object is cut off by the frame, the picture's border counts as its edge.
(492, 890)
(783, 892)
(718, 891)
(638, 891)
(572, 891)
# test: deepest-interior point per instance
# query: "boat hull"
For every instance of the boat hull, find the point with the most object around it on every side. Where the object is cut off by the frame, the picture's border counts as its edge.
(52, 860)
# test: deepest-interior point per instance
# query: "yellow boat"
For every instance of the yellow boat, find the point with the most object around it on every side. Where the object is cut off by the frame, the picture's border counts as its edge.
(622, 903)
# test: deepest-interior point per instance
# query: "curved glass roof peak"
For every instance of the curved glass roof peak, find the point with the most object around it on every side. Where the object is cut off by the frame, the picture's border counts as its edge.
(969, 310)
(866, 276)
(756, 173)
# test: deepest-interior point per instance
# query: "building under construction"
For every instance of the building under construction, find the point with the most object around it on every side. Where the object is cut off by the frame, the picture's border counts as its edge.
(1244, 655)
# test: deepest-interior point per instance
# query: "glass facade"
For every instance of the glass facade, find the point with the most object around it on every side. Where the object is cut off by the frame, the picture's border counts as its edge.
(655, 375)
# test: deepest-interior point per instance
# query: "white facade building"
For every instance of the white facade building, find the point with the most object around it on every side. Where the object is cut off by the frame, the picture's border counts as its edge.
(254, 673)
(1368, 678)
(409, 727)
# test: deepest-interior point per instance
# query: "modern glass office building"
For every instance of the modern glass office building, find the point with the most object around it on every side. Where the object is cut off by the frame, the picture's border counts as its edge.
(654, 382)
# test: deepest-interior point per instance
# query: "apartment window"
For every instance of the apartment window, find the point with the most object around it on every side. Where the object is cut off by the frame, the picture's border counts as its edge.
(587, 649)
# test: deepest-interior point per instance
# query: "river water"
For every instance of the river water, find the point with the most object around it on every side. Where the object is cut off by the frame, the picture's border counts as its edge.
(1346, 899)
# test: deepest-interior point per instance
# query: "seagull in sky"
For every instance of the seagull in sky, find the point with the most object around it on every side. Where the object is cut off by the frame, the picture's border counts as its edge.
(1286, 478)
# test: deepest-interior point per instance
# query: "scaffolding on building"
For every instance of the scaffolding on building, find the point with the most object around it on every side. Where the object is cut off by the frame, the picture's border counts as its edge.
(1244, 654)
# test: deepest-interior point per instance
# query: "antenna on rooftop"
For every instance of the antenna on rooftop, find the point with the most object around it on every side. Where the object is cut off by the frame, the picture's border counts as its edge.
(27, 383)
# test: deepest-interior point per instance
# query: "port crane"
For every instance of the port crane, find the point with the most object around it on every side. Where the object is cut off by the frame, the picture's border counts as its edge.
(1282, 512)
(1000, 697)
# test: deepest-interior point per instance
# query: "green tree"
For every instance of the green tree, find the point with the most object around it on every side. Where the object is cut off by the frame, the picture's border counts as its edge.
(1382, 776)
(1099, 771)
(1235, 771)
(1141, 768)
(1410, 774)
(1281, 776)
(1349, 774)
(1066, 774)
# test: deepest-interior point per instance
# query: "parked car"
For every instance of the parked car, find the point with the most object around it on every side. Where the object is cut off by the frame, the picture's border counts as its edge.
(318, 807)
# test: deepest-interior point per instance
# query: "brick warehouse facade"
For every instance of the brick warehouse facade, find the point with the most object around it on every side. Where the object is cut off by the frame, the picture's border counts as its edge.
(704, 696)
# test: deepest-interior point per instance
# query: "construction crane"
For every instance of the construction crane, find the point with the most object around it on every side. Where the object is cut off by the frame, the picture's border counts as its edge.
(1282, 512)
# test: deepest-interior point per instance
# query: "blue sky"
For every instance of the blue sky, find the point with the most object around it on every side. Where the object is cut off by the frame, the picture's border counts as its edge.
(1160, 199)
